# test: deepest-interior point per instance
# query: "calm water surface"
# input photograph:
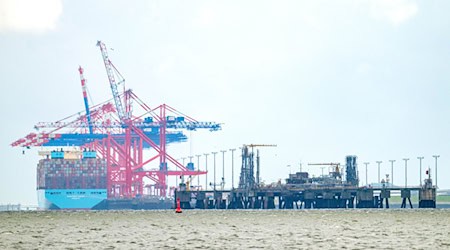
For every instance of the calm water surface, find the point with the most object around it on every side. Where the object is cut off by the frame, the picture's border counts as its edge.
(219, 229)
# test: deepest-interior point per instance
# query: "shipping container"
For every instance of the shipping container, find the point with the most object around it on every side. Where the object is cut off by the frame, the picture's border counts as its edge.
(71, 174)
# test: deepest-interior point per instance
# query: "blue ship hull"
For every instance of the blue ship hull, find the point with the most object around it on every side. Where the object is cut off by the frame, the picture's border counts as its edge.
(70, 198)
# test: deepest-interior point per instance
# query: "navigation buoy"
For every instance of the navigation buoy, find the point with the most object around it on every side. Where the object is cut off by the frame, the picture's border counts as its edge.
(178, 209)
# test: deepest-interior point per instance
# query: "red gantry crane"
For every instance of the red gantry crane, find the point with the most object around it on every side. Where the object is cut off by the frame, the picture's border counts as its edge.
(120, 136)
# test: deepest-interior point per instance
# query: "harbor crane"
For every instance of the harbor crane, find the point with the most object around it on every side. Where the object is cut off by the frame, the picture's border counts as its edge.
(110, 71)
(119, 132)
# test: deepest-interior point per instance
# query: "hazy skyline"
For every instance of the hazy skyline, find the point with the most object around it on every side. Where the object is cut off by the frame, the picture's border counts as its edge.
(321, 79)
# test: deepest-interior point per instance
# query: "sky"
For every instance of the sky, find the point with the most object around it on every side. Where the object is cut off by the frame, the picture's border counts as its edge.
(320, 79)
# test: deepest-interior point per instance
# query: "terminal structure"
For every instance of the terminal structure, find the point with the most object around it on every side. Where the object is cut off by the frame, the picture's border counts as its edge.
(302, 191)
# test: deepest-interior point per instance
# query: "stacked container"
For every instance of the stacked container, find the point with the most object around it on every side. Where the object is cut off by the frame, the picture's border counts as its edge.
(88, 173)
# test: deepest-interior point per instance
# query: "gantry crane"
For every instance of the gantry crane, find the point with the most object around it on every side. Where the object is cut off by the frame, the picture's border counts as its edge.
(120, 137)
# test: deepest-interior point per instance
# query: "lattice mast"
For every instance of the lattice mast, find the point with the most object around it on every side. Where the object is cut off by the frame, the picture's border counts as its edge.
(110, 69)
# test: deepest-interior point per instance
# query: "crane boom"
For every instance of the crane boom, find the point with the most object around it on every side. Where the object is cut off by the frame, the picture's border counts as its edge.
(86, 103)
(112, 81)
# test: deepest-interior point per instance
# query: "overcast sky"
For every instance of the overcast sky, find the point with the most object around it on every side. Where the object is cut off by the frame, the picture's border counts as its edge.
(321, 79)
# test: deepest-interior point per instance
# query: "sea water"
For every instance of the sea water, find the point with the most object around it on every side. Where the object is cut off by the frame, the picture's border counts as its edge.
(227, 229)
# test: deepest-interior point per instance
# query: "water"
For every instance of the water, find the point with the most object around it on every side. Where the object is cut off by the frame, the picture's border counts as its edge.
(227, 229)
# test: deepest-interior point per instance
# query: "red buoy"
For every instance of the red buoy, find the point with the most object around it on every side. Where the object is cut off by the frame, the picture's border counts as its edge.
(178, 209)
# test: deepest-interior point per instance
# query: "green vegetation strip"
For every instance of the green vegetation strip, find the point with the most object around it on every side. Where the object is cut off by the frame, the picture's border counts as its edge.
(415, 199)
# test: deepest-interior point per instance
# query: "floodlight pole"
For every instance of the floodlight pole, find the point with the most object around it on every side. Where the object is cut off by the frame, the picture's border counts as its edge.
(406, 171)
(420, 169)
(366, 163)
(232, 167)
(392, 172)
(435, 171)
(379, 162)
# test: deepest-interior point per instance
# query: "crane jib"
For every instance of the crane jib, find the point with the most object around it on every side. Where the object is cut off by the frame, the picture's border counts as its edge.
(112, 81)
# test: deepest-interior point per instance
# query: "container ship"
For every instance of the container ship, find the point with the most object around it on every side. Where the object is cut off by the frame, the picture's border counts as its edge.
(71, 180)
(77, 180)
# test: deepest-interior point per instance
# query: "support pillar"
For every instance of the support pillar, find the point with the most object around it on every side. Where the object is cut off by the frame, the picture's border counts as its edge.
(364, 198)
(384, 196)
(406, 195)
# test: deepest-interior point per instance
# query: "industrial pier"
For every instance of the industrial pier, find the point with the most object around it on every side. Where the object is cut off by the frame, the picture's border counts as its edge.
(286, 198)
(302, 191)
